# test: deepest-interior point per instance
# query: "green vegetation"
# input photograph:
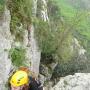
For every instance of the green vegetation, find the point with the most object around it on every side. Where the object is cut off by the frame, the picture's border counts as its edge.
(17, 56)
(82, 31)
(21, 12)
(70, 67)
(53, 42)
(66, 9)
(55, 38)
(78, 22)
(44, 36)
(2, 4)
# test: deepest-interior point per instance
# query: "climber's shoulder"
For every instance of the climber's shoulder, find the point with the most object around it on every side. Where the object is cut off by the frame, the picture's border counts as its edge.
(35, 84)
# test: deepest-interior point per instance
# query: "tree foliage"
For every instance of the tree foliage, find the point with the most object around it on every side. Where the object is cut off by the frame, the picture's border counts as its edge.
(54, 37)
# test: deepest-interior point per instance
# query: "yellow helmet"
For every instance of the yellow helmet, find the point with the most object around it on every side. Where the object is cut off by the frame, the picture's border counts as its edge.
(19, 78)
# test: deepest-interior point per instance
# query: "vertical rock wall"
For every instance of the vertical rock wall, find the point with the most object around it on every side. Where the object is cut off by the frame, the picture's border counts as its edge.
(5, 45)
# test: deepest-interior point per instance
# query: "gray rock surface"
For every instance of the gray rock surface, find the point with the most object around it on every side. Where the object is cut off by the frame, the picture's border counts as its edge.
(44, 14)
(5, 45)
(33, 53)
(79, 81)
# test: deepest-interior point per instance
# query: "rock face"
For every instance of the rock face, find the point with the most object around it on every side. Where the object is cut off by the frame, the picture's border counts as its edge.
(44, 14)
(80, 51)
(34, 11)
(5, 45)
(33, 53)
(75, 45)
(79, 81)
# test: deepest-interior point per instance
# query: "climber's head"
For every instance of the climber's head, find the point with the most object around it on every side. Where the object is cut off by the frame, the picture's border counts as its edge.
(19, 79)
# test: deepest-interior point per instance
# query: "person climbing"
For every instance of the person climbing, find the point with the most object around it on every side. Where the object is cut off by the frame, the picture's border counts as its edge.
(21, 80)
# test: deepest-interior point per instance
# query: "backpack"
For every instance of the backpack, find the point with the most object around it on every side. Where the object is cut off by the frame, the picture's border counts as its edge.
(35, 84)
